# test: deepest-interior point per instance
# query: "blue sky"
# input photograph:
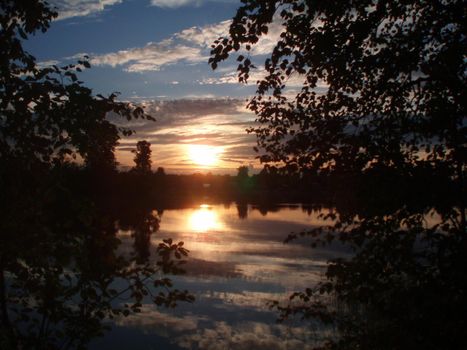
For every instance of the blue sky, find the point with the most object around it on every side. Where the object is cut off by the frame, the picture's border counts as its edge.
(155, 52)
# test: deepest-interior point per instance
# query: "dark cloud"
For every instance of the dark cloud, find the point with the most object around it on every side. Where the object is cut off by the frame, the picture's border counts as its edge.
(184, 112)
(165, 110)
(214, 122)
(240, 150)
(233, 160)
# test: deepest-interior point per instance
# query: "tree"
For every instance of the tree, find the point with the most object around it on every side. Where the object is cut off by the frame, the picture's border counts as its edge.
(244, 182)
(242, 172)
(382, 91)
(47, 116)
(143, 157)
(63, 269)
(59, 256)
(160, 171)
(393, 74)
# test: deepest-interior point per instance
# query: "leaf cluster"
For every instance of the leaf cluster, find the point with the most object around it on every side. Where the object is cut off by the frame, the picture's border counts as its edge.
(48, 115)
(381, 83)
(401, 287)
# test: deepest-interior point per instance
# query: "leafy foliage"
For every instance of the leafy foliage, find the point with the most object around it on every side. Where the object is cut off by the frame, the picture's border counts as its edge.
(382, 91)
(65, 270)
(403, 288)
(383, 82)
(46, 114)
(60, 263)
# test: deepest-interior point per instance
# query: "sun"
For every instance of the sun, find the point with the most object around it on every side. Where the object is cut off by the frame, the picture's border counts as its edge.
(204, 155)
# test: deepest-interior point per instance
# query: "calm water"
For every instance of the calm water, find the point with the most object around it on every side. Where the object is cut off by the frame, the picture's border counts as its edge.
(237, 263)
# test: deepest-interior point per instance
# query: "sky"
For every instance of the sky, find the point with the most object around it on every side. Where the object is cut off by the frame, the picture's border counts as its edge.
(155, 53)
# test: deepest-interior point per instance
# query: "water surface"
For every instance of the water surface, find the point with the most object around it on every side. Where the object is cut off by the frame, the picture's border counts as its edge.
(237, 264)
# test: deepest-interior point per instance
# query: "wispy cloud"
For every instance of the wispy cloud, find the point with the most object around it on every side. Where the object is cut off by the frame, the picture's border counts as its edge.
(180, 3)
(150, 57)
(191, 45)
(230, 77)
(44, 64)
(204, 36)
(214, 122)
(80, 8)
(247, 335)
(174, 3)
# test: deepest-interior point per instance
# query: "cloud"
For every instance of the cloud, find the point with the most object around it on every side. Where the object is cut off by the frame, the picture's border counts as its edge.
(48, 63)
(80, 8)
(150, 57)
(192, 107)
(215, 122)
(153, 320)
(248, 335)
(191, 45)
(204, 36)
(180, 3)
(267, 42)
(174, 3)
(231, 77)
(203, 332)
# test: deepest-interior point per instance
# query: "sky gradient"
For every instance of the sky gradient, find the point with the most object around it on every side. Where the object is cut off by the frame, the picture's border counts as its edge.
(155, 52)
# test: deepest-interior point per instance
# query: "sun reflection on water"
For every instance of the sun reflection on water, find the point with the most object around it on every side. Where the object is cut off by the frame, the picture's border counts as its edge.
(204, 219)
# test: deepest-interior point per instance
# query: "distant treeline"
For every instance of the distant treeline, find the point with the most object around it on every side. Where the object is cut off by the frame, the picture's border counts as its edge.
(159, 189)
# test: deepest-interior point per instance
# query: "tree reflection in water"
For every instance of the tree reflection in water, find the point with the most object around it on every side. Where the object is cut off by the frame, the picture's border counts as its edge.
(403, 288)
(64, 272)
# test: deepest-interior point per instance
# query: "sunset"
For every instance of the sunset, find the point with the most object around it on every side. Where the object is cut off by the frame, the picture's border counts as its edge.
(207, 156)
(233, 175)
(156, 56)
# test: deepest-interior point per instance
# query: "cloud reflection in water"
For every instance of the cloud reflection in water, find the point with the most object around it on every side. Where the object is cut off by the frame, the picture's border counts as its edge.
(235, 266)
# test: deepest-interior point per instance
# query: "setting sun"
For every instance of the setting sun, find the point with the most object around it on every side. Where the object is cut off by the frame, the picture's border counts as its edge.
(204, 155)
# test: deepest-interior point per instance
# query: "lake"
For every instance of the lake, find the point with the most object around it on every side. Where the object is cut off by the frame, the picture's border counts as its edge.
(237, 264)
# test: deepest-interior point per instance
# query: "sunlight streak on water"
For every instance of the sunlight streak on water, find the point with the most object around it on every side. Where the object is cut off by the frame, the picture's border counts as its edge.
(204, 219)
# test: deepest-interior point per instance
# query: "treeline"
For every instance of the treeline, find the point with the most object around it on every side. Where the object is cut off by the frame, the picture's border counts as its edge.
(271, 186)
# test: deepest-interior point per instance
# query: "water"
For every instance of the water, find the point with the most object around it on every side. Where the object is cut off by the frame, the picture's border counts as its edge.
(237, 264)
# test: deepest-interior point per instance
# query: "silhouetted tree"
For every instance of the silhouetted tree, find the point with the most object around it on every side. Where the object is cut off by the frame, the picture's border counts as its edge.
(99, 152)
(242, 172)
(383, 82)
(60, 262)
(47, 115)
(143, 157)
(383, 91)
(58, 251)
(244, 181)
